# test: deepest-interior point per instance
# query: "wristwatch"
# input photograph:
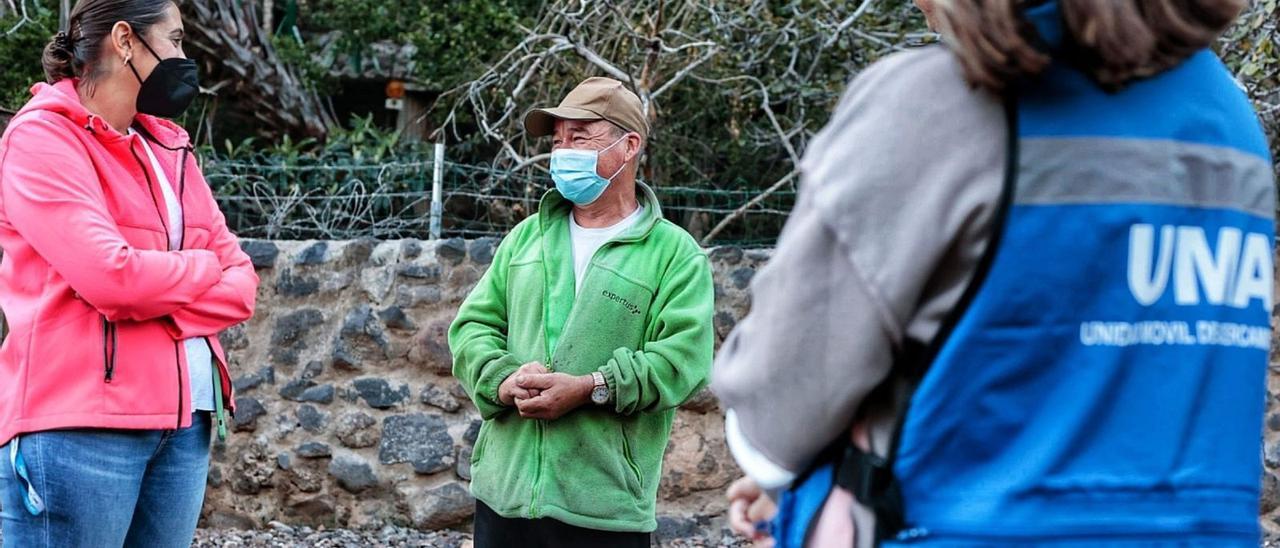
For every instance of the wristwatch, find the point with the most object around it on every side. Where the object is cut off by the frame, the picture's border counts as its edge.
(599, 394)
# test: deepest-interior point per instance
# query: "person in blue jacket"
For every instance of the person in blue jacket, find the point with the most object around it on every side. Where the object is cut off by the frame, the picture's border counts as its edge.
(1024, 297)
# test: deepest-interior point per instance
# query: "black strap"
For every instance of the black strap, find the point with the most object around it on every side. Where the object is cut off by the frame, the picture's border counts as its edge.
(868, 476)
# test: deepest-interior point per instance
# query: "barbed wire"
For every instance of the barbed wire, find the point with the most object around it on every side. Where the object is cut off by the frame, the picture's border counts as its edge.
(271, 198)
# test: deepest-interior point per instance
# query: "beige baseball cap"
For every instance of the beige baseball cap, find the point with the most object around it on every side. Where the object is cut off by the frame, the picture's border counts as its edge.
(595, 98)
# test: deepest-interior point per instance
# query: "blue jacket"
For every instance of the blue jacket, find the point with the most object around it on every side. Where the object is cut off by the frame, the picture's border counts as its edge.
(1107, 381)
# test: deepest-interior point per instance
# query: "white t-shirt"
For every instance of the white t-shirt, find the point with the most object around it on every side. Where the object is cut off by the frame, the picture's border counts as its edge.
(199, 355)
(586, 241)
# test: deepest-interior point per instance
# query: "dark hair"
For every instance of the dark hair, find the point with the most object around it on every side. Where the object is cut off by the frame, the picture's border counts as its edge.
(75, 52)
(1113, 41)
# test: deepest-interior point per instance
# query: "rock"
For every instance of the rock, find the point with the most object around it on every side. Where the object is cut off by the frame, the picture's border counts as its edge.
(277, 526)
(308, 476)
(742, 277)
(294, 390)
(312, 420)
(357, 252)
(726, 254)
(395, 318)
(265, 375)
(289, 336)
(313, 369)
(229, 520)
(418, 296)
(420, 272)
(376, 282)
(316, 254)
(1271, 455)
(313, 450)
(451, 251)
(344, 360)
(724, 324)
(316, 510)
(410, 249)
(420, 439)
(247, 412)
(352, 472)
(679, 527)
(702, 402)
(473, 431)
(444, 506)
(697, 458)
(435, 396)
(261, 252)
(284, 461)
(1270, 499)
(253, 470)
(318, 394)
(464, 463)
(234, 338)
(293, 285)
(430, 347)
(379, 394)
(362, 333)
(335, 281)
(215, 476)
(482, 250)
(1273, 422)
(355, 430)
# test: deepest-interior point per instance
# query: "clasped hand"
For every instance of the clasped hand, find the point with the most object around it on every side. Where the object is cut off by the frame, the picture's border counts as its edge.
(537, 393)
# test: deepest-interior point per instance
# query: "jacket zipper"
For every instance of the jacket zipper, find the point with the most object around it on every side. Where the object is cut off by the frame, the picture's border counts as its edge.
(109, 342)
(177, 348)
(537, 473)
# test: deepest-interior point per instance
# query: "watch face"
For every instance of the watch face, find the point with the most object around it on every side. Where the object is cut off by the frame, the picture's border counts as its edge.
(600, 395)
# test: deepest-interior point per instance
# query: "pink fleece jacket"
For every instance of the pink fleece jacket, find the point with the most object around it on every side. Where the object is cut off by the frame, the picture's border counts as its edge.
(96, 304)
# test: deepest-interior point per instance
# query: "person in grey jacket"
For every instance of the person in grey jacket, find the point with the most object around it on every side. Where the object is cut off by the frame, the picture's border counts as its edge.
(900, 200)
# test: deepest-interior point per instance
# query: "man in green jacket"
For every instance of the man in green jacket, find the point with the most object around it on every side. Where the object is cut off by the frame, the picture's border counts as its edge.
(591, 326)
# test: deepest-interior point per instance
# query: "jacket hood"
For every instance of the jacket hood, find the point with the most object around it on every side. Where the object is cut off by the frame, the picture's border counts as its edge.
(62, 99)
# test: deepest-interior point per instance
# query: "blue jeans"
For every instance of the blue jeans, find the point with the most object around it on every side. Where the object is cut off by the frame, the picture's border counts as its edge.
(107, 488)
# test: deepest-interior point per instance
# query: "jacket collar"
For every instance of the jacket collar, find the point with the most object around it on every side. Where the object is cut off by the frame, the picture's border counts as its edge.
(554, 209)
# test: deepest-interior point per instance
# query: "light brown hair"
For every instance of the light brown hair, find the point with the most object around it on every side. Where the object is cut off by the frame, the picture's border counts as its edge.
(1113, 41)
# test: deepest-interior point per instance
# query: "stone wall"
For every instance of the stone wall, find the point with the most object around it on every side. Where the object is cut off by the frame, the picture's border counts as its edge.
(347, 413)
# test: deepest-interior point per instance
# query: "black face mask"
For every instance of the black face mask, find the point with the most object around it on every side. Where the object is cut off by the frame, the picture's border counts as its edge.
(170, 88)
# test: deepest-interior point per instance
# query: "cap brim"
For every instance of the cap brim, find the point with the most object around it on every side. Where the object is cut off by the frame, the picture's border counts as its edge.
(541, 122)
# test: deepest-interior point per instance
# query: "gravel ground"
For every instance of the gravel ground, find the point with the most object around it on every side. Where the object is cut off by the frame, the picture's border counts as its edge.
(278, 535)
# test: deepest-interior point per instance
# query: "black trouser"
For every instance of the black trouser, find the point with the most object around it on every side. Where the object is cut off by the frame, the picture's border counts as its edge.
(494, 531)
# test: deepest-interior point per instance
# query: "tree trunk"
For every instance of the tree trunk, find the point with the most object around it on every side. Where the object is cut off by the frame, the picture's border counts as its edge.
(230, 32)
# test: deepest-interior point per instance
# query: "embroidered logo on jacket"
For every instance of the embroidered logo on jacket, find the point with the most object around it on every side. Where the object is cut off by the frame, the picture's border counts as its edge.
(630, 306)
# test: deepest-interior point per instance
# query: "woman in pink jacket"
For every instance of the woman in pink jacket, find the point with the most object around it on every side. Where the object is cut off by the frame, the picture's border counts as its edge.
(118, 274)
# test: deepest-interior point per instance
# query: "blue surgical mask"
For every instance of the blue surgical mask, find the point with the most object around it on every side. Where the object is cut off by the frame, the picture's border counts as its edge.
(574, 172)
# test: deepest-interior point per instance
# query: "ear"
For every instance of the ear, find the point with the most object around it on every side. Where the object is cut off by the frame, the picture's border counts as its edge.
(634, 142)
(121, 43)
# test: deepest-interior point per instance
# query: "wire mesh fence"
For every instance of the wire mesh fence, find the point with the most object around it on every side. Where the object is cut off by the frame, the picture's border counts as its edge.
(278, 198)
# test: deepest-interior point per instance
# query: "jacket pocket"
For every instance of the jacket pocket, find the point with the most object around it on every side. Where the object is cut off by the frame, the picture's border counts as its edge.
(478, 451)
(630, 458)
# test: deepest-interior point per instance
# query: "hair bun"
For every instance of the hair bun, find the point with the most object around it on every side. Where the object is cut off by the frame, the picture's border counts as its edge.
(64, 41)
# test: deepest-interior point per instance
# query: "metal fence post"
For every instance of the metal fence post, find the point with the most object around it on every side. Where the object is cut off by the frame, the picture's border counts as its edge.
(437, 201)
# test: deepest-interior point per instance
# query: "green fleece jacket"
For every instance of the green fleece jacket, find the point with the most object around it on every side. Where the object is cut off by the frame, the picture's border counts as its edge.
(642, 318)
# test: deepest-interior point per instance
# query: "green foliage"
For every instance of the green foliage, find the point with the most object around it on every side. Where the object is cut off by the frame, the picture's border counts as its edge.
(304, 165)
(457, 38)
(21, 51)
